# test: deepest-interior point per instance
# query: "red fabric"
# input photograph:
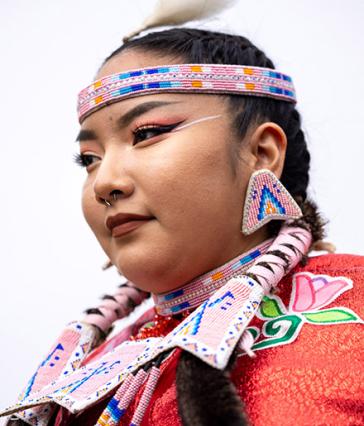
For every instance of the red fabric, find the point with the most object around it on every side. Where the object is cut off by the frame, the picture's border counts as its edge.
(316, 380)
(319, 378)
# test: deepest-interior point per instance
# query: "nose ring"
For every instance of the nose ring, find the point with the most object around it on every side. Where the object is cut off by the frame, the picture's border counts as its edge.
(114, 195)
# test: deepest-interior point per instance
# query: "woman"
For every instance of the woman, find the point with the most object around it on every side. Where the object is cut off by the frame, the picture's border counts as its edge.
(196, 189)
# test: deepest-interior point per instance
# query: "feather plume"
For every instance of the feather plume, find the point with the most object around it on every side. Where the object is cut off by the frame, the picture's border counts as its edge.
(174, 12)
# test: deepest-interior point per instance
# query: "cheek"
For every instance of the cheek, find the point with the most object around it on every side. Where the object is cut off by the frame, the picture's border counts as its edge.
(193, 181)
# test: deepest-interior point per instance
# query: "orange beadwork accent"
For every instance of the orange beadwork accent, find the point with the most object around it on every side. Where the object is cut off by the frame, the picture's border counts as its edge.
(98, 99)
(196, 83)
(196, 69)
(217, 276)
(270, 208)
(97, 84)
(250, 86)
(248, 71)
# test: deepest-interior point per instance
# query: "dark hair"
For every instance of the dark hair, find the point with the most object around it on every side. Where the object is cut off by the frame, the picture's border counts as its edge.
(206, 400)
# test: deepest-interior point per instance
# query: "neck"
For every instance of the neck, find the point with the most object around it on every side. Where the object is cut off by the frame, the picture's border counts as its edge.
(201, 288)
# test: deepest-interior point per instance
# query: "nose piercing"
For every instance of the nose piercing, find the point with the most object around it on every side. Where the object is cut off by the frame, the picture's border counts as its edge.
(114, 196)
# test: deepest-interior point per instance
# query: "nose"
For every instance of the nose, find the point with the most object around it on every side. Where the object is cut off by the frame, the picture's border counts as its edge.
(112, 181)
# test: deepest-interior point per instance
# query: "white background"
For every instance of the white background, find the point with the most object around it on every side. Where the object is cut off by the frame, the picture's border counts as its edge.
(50, 260)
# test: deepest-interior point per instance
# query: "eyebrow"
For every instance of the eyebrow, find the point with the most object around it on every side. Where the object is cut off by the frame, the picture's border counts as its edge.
(126, 118)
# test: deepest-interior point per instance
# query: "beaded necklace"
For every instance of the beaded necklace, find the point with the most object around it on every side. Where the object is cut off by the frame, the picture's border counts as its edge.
(174, 306)
(201, 288)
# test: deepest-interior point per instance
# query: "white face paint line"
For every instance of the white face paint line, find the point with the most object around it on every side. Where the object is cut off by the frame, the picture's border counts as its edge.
(199, 120)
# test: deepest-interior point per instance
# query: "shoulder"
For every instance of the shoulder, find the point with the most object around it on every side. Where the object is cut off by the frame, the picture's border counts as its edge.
(305, 332)
(326, 281)
(345, 263)
(322, 298)
(342, 272)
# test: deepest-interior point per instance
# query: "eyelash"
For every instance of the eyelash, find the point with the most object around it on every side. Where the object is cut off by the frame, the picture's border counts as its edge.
(154, 128)
(83, 160)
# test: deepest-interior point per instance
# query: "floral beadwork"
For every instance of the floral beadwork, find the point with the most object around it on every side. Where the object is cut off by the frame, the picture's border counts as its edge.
(310, 293)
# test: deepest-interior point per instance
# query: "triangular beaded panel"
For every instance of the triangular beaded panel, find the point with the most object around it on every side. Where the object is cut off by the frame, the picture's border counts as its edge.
(267, 199)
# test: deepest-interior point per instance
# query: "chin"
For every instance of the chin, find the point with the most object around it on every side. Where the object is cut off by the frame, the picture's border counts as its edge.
(150, 270)
(144, 275)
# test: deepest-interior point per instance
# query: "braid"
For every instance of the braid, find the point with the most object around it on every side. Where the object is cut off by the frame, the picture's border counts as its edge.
(114, 307)
(199, 386)
(205, 395)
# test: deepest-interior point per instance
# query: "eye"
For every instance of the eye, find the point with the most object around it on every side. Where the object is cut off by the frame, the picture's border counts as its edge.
(83, 160)
(148, 132)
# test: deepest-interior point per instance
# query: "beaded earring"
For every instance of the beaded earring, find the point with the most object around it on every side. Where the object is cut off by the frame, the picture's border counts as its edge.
(267, 199)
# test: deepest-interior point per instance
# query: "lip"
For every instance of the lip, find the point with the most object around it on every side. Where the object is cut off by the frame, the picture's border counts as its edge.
(123, 223)
(127, 227)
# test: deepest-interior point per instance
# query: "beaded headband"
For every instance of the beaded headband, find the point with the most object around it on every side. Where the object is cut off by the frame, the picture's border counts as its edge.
(194, 78)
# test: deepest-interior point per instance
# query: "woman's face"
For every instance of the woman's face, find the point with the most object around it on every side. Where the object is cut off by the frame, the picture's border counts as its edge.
(167, 165)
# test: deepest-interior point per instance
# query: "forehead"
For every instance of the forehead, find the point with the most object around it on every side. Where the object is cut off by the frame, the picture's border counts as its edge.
(133, 59)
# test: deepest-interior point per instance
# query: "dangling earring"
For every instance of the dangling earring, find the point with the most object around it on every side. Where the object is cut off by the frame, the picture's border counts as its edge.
(267, 199)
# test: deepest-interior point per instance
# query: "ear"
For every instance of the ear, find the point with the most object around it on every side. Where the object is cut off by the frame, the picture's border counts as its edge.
(268, 144)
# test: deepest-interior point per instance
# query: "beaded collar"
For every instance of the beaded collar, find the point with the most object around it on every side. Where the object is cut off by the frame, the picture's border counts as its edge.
(201, 288)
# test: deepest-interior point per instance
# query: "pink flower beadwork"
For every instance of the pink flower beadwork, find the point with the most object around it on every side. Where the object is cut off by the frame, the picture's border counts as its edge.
(312, 292)
(309, 294)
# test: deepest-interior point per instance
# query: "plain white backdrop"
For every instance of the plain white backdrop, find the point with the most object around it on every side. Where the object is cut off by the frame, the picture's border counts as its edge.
(50, 260)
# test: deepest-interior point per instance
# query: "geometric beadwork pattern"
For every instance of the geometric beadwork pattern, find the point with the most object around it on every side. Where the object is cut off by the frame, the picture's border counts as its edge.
(64, 358)
(91, 382)
(230, 309)
(213, 330)
(195, 78)
(267, 199)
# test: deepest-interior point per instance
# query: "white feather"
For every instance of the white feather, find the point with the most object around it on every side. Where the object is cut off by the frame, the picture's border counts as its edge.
(174, 12)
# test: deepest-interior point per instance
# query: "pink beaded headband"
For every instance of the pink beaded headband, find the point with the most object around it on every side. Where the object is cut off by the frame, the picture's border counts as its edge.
(195, 78)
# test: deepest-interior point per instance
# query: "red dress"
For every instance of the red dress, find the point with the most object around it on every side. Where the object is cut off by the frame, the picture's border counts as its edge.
(309, 348)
